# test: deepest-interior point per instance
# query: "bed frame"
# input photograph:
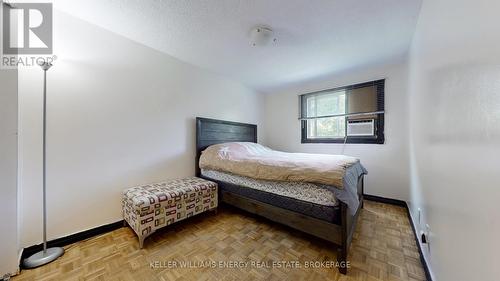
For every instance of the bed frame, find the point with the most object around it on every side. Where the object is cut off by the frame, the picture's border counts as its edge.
(211, 131)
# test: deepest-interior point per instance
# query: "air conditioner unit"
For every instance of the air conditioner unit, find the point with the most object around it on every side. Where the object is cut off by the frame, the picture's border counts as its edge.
(361, 128)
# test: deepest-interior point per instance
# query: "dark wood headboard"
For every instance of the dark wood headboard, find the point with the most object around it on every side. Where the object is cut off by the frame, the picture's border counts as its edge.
(212, 131)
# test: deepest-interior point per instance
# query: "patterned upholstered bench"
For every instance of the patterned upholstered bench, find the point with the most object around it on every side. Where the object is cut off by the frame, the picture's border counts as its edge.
(149, 207)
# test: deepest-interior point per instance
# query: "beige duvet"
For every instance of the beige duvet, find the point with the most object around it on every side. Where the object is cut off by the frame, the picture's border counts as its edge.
(259, 162)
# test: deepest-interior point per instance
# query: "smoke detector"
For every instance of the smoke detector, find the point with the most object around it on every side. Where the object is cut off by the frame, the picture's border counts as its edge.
(262, 36)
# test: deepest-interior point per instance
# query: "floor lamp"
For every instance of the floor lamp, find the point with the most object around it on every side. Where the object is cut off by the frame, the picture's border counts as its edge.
(46, 255)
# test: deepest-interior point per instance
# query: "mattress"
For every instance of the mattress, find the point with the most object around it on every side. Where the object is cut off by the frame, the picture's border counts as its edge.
(259, 162)
(305, 198)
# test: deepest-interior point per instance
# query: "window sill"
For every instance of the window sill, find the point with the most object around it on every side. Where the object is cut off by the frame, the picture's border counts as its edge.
(349, 141)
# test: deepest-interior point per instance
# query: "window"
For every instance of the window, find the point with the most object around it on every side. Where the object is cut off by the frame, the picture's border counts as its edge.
(352, 114)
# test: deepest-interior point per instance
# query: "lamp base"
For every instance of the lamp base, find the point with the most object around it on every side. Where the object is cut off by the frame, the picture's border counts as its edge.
(42, 258)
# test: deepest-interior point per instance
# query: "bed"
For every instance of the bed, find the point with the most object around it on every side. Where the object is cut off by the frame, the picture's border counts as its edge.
(332, 222)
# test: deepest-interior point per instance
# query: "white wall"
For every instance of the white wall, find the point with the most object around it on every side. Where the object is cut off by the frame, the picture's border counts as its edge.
(119, 114)
(455, 136)
(387, 164)
(8, 172)
(9, 231)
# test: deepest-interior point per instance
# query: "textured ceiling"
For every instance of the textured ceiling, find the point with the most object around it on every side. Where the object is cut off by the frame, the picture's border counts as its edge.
(315, 38)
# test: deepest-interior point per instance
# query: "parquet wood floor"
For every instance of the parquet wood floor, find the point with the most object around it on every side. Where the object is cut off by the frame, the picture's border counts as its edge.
(383, 248)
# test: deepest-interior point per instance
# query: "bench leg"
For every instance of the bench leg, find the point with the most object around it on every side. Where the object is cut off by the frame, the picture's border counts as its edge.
(142, 238)
(141, 242)
(215, 211)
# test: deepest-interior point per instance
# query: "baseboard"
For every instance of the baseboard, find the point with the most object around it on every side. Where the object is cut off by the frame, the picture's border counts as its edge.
(401, 203)
(422, 259)
(70, 239)
(385, 200)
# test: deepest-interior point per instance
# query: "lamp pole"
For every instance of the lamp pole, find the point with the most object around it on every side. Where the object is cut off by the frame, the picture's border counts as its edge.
(46, 255)
(45, 67)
